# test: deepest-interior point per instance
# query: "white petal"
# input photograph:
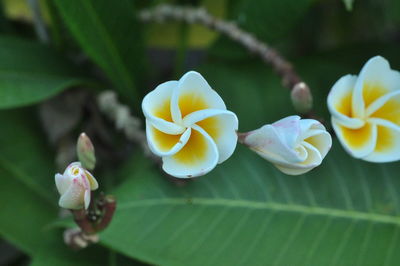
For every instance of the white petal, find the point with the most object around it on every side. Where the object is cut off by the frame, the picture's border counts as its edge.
(268, 144)
(163, 144)
(288, 129)
(358, 142)
(62, 183)
(387, 108)
(193, 94)
(320, 139)
(381, 101)
(92, 181)
(383, 122)
(221, 125)
(375, 80)
(387, 147)
(309, 124)
(292, 170)
(156, 108)
(198, 157)
(86, 199)
(73, 198)
(314, 157)
(340, 102)
(313, 160)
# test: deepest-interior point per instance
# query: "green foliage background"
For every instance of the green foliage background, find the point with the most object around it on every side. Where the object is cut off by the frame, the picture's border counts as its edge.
(245, 212)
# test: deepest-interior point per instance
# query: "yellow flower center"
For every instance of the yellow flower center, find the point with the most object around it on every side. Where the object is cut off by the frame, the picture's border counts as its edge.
(390, 111)
(195, 150)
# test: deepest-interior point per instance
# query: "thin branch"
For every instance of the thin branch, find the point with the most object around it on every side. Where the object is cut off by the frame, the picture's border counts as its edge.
(39, 24)
(124, 121)
(165, 12)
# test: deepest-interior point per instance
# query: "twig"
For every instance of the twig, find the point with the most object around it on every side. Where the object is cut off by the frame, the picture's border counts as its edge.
(165, 12)
(124, 121)
(39, 24)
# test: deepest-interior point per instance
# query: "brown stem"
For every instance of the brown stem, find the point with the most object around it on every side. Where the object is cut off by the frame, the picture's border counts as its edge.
(242, 136)
(125, 122)
(109, 205)
(81, 219)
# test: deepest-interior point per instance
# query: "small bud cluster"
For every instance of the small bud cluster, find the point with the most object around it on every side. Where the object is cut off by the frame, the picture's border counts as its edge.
(75, 186)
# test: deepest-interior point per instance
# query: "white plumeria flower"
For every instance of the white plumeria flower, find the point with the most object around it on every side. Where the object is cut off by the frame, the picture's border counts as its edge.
(74, 187)
(366, 112)
(187, 124)
(293, 145)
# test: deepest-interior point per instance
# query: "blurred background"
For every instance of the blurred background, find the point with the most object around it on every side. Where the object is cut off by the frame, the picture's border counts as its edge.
(324, 39)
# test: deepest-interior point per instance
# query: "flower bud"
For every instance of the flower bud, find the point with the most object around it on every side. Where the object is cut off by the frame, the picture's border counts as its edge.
(75, 186)
(301, 98)
(293, 145)
(85, 151)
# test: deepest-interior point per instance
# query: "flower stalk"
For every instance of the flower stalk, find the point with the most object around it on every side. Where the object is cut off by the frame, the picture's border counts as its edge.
(98, 216)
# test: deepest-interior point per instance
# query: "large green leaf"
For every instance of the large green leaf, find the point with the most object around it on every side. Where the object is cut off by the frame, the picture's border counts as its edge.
(31, 72)
(27, 195)
(26, 174)
(245, 212)
(109, 33)
(58, 254)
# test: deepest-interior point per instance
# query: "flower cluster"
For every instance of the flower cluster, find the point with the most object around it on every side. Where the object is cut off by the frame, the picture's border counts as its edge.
(187, 124)
(366, 114)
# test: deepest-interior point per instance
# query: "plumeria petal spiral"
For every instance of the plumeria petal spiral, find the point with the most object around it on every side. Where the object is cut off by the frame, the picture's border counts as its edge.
(365, 112)
(187, 124)
(293, 145)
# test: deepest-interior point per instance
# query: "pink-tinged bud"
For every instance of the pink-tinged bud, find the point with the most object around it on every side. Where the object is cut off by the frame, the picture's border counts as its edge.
(301, 98)
(293, 145)
(85, 152)
(75, 187)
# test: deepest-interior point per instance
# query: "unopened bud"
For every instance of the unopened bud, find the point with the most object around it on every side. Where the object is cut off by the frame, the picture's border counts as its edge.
(293, 145)
(85, 152)
(301, 98)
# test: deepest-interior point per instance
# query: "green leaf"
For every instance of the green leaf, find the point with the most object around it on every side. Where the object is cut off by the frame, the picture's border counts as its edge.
(60, 255)
(31, 72)
(109, 33)
(28, 202)
(246, 212)
(27, 198)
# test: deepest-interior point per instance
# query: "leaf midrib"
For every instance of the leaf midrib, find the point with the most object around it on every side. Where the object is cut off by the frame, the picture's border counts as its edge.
(272, 206)
(28, 182)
